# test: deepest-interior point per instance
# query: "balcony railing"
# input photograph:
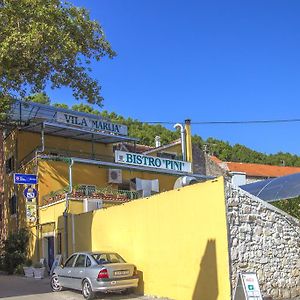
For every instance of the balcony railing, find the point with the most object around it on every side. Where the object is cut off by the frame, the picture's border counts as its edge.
(109, 195)
(65, 153)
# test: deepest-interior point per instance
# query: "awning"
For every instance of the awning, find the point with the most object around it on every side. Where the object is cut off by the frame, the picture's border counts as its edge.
(274, 189)
(57, 129)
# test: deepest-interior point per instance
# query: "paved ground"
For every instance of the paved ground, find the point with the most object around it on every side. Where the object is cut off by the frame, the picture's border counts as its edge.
(21, 288)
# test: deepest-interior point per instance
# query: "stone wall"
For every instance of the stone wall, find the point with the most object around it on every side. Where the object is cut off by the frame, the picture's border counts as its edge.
(266, 240)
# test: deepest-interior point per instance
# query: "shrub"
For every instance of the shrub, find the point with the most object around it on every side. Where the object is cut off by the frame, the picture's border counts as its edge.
(15, 250)
(37, 265)
(28, 263)
(19, 270)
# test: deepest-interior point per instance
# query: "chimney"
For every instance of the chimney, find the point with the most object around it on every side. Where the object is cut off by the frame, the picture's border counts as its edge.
(188, 138)
(157, 141)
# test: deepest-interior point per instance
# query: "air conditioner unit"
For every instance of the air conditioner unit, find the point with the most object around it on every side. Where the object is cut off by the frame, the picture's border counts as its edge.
(114, 176)
(92, 204)
(145, 187)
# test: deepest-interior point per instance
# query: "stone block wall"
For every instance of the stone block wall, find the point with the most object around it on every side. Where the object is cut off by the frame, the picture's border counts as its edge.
(266, 240)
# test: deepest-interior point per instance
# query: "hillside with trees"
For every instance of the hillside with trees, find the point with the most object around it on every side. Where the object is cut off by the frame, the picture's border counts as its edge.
(223, 150)
(146, 133)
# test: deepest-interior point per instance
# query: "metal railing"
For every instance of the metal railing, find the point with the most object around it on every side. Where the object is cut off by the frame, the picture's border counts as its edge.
(80, 192)
(63, 154)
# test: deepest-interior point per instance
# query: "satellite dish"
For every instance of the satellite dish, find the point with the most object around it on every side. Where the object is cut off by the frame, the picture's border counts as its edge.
(184, 181)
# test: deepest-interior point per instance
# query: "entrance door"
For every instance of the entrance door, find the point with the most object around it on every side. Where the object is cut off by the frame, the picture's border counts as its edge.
(50, 251)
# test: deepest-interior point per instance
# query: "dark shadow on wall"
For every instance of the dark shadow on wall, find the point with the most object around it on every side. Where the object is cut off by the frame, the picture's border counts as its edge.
(207, 282)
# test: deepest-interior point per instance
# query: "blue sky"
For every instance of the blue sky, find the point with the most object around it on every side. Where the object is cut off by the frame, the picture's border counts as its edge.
(204, 60)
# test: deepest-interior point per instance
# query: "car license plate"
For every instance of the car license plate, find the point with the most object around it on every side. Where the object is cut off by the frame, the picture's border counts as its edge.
(120, 273)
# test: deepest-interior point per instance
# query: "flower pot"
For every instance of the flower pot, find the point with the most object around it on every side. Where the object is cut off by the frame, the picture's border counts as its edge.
(39, 273)
(28, 271)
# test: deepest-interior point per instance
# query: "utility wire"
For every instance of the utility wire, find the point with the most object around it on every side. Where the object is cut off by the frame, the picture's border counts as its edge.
(231, 122)
(271, 121)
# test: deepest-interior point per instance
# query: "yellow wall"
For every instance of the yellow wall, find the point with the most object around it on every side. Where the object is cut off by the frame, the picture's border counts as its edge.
(177, 239)
(67, 146)
(53, 176)
(12, 222)
(172, 149)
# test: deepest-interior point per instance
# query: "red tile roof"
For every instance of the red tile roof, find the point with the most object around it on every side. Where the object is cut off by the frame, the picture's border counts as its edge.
(255, 170)
(215, 159)
(260, 170)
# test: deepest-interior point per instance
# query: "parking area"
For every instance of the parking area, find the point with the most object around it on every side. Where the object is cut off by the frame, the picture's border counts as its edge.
(19, 287)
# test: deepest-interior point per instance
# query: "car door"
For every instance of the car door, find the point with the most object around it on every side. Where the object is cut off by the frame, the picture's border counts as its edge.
(78, 271)
(64, 275)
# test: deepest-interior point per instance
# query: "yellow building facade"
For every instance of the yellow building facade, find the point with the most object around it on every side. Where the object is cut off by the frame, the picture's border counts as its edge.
(81, 163)
(94, 193)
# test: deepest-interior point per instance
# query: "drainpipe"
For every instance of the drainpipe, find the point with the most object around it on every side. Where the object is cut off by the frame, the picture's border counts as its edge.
(65, 214)
(183, 141)
(40, 150)
(189, 154)
(43, 138)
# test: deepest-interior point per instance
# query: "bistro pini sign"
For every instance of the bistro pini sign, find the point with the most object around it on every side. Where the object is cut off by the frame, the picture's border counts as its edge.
(91, 123)
(152, 161)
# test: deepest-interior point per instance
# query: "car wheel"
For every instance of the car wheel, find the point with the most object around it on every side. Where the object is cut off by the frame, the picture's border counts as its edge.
(55, 285)
(87, 290)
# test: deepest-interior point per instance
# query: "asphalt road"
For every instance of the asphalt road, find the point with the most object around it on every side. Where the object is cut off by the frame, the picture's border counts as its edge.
(19, 287)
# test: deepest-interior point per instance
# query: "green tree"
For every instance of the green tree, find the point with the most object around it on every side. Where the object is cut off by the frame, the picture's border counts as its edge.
(291, 206)
(61, 105)
(39, 98)
(85, 108)
(48, 42)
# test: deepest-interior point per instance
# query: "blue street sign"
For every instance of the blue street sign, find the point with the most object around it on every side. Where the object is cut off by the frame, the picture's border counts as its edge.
(30, 193)
(25, 178)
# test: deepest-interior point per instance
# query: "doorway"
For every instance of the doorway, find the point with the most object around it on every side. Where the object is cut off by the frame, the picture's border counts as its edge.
(50, 251)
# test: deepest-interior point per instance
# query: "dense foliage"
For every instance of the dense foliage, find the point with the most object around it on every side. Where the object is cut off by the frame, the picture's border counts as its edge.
(291, 206)
(239, 153)
(223, 150)
(48, 42)
(15, 250)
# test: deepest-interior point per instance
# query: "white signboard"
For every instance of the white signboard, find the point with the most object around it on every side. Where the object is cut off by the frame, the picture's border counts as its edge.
(30, 212)
(247, 287)
(57, 262)
(152, 161)
(91, 123)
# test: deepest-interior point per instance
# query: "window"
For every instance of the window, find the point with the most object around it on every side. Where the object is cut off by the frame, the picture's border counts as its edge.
(9, 165)
(88, 262)
(107, 258)
(13, 205)
(70, 261)
(80, 262)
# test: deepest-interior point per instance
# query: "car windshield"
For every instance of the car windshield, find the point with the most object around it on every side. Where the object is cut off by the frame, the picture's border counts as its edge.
(107, 258)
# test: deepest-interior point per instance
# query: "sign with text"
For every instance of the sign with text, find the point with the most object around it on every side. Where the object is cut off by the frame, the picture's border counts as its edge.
(30, 193)
(152, 161)
(247, 287)
(25, 178)
(91, 123)
(57, 262)
(30, 212)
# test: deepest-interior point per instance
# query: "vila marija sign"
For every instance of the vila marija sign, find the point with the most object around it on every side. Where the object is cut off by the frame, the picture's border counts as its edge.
(91, 123)
(152, 161)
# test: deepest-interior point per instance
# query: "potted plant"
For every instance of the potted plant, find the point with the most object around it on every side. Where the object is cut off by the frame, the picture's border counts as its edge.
(27, 268)
(39, 270)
